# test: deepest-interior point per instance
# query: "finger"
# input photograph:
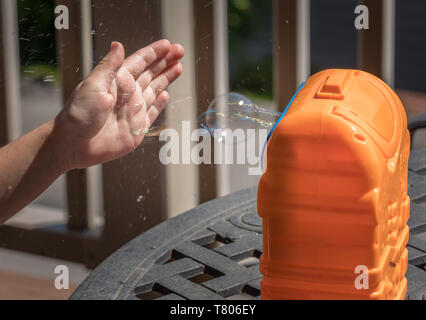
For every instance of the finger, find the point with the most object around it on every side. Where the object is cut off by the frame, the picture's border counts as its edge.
(142, 122)
(157, 107)
(176, 53)
(141, 59)
(102, 76)
(161, 82)
(135, 105)
(126, 86)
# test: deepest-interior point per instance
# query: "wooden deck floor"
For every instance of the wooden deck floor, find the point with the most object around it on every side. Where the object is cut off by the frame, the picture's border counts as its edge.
(22, 287)
(30, 277)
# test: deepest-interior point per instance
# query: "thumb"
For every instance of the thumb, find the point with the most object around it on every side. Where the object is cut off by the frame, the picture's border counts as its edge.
(102, 76)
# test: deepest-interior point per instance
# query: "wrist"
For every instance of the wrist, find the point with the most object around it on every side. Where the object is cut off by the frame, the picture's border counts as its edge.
(56, 143)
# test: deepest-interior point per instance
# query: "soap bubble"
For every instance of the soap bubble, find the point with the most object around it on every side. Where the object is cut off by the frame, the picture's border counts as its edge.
(234, 111)
(224, 116)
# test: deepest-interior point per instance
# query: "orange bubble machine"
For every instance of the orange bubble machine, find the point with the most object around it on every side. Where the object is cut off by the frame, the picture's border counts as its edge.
(333, 197)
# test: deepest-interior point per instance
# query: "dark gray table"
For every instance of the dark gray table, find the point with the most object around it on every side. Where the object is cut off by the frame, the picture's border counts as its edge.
(212, 252)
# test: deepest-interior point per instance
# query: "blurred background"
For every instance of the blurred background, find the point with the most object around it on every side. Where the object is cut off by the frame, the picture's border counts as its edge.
(261, 49)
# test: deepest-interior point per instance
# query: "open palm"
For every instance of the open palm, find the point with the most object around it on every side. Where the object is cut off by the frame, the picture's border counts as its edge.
(110, 112)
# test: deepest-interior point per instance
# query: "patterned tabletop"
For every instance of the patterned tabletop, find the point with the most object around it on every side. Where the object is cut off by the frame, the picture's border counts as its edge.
(212, 252)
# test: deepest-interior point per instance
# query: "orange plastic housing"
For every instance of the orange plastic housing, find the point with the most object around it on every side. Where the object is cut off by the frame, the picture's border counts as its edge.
(334, 195)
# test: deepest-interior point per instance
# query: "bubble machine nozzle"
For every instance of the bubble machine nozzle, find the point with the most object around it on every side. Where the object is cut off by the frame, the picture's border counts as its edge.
(334, 197)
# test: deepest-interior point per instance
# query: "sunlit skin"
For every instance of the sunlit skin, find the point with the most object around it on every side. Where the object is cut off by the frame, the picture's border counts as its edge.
(105, 119)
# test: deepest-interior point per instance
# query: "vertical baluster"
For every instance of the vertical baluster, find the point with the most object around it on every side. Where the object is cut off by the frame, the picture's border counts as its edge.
(4, 137)
(291, 48)
(371, 42)
(135, 24)
(10, 103)
(70, 54)
(205, 83)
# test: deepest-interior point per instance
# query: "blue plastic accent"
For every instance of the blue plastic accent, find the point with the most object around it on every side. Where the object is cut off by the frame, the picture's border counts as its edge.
(280, 119)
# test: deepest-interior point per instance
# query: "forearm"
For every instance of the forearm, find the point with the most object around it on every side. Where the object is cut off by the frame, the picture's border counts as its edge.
(97, 126)
(29, 166)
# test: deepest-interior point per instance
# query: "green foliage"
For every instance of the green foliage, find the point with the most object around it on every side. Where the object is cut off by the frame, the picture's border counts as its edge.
(47, 73)
(250, 42)
(250, 45)
(37, 32)
(255, 78)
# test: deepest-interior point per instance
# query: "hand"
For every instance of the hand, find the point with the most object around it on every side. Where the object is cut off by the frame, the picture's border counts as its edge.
(111, 111)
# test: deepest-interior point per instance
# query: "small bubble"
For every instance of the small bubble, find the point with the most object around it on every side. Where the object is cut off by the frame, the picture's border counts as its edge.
(139, 199)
